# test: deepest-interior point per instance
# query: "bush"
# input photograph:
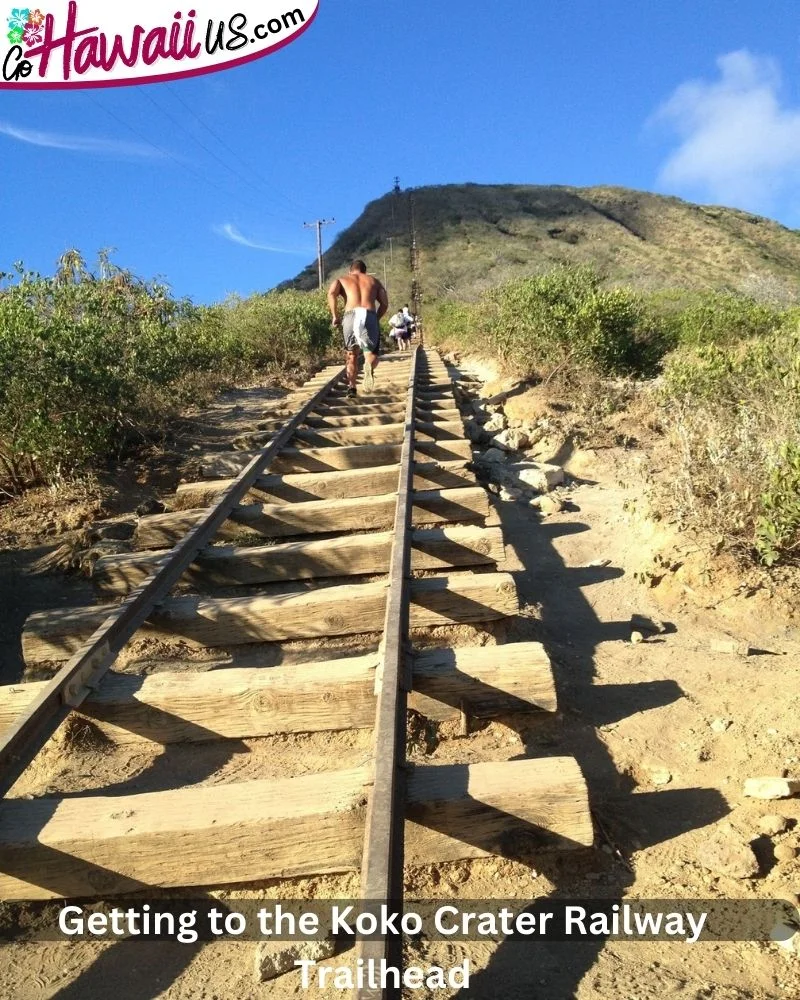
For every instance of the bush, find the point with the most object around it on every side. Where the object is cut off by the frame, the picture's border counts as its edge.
(278, 328)
(697, 319)
(87, 358)
(562, 320)
(778, 527)
(734, 418)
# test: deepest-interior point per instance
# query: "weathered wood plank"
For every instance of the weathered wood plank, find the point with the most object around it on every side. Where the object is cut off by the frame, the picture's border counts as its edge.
(337, 610)
(372, 419)
(458, 811)
(303, 698)
(486, 681)
(255, 830)
(319, 517)
(344, 555)
(338, 485)
(293, 461)
(341, 405)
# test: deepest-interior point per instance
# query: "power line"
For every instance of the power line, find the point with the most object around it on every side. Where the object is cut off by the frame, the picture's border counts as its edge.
(155, 146)
(232, 152)
(236, 173)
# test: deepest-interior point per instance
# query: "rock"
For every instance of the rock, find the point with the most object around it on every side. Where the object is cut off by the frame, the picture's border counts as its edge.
(659, 775)
(475, 432)
(275, 958)
(148, 507)
(118, 531)
(785, 852)
(509, 494)
(723, 853)
(772, 824)
(636, 638)
(511, 440)
(493, 456)
(536, 476)
(548, 505)
(645, 624)
(721, 725)
(732, 646)
(495, 424)
(479, 412)
(771, 788)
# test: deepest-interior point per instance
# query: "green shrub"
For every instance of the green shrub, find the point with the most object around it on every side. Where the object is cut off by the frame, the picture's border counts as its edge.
(563, 320)
(733, 415)
(697, 319)
(283, 328)
(87, 358)
(778, 528)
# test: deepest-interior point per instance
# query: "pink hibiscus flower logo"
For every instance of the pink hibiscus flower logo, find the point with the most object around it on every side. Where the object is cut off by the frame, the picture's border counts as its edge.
(33, 34)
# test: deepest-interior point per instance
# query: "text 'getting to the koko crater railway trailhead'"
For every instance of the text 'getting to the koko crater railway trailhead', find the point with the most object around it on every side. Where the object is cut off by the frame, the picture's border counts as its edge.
(96, 44)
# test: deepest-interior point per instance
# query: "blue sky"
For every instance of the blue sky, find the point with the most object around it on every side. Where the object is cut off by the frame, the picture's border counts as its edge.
(698, 99)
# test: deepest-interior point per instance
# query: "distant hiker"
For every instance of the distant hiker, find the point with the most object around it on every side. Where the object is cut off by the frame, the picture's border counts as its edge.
(400, 331)
(411, 322)
(361, 322)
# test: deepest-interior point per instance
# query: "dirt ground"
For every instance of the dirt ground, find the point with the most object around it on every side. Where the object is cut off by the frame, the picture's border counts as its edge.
(665, 731)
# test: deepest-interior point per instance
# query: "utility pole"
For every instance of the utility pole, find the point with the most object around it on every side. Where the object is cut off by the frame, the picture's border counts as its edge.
(318, 226)
(390, 240)
(395, 195)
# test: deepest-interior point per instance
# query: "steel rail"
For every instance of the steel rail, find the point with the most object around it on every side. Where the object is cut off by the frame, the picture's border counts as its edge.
(382, 860)
(83, 672)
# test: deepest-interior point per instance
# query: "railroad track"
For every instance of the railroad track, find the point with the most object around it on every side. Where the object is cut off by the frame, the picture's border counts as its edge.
(336, 517)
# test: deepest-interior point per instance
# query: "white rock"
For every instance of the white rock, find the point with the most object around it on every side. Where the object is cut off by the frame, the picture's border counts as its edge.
(536, 476)
(511, 440)
(495, 424)
(772, 824)
(275, 958)
(548, 505)
(721, 725)
(509, 493)
(771, 788)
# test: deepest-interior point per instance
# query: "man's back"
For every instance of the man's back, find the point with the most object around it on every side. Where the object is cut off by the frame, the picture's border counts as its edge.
(361, 290)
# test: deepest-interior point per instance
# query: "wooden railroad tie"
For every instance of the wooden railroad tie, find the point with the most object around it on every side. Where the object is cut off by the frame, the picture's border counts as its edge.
(254, 830)
(304, 698)
(349, 609)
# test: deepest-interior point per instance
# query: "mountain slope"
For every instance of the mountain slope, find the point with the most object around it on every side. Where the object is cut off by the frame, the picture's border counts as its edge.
(473, 236)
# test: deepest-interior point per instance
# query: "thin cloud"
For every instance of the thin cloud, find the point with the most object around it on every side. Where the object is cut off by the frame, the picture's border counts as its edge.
(230, 232)
(78, 144)
(739, 143)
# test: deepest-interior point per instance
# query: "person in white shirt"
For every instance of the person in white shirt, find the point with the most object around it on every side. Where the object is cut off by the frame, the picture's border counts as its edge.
(399, 326)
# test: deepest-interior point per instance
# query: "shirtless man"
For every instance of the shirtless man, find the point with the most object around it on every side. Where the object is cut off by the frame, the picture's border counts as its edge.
(360, 324)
